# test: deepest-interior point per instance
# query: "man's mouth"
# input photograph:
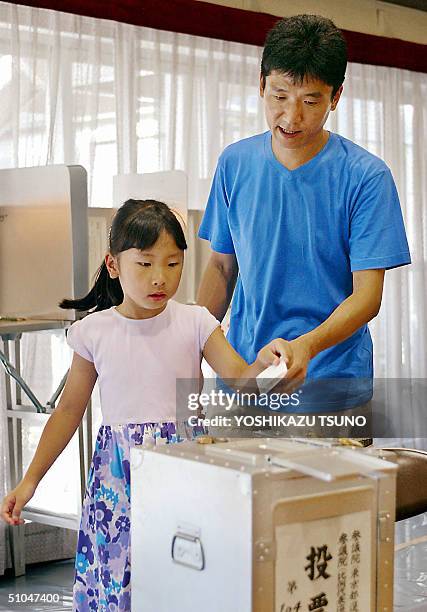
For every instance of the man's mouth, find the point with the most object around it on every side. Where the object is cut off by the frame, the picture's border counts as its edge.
(289, 133)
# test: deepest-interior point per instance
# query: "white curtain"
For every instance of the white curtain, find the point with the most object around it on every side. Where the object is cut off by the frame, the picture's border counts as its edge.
(118, 98)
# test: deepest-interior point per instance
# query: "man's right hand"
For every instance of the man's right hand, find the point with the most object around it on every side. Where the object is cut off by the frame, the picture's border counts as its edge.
(14, 502)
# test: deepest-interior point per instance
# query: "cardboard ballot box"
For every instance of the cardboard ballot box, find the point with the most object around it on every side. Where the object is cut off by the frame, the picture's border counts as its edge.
(261, 525)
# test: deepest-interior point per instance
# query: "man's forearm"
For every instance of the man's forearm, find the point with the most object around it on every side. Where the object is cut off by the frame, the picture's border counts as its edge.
(347, 318)
(216, 290)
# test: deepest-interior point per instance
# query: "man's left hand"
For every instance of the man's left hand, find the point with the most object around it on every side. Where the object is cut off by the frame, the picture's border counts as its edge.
(296, 354)
(299, 357)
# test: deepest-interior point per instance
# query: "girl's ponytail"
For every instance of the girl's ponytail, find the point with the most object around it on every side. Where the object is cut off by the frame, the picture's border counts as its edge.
(105, 293)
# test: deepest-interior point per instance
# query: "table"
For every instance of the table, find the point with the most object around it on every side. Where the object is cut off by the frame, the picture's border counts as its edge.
(11, 331)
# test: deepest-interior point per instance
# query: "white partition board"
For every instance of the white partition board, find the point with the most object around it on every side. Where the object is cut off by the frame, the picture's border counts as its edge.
(43, 239)
(99, 223)
(170, 187)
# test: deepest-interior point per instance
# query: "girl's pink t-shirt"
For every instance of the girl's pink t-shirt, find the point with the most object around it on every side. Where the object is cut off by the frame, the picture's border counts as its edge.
(140, 362)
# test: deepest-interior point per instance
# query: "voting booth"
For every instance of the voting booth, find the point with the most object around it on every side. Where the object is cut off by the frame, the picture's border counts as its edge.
(43, 240)
(260, 526)
(43, 258)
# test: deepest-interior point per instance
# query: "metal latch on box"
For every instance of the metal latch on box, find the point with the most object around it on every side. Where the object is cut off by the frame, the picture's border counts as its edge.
(187, 549)
(385, 527)
(264, 550)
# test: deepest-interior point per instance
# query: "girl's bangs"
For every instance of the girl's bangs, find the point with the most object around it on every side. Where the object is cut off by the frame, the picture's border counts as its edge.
(138, 225)
(141, 235)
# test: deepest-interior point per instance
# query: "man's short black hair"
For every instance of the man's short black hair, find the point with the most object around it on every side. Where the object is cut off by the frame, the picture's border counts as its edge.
(306, 46)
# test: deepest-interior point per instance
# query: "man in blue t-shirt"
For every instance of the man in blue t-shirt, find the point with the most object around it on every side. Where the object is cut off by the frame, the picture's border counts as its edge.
(304, 220)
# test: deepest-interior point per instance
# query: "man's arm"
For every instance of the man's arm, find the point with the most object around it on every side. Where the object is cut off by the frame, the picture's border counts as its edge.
(218, 282)
(359, 308)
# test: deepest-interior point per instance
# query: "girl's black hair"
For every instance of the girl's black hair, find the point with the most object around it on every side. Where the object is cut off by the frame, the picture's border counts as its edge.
(136, 225)
(304, 46)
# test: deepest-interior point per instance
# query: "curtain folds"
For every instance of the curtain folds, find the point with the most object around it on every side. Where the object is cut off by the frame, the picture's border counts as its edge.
(117, 98)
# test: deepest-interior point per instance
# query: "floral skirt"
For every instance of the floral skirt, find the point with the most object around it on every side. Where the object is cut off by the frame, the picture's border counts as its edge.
(103, 563)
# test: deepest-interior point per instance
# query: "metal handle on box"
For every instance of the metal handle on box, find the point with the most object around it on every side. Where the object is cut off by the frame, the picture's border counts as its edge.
(187, 550)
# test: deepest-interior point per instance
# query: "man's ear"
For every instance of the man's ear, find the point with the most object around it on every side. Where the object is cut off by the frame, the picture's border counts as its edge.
(112, 265)
(336, 98)
(261, 85)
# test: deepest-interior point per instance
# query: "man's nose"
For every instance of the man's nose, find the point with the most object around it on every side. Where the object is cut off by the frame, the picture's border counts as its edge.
(293, 114)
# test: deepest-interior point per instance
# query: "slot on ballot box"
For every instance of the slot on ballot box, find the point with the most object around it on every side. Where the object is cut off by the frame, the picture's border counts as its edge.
(261, 526)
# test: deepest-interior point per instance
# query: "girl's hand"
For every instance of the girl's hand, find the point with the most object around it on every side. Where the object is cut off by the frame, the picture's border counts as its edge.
(14, 502)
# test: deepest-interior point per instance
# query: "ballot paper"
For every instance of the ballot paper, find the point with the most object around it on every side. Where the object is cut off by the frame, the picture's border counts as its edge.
(269, 377)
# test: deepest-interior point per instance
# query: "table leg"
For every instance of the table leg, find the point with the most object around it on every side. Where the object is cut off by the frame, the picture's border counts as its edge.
(17, 532)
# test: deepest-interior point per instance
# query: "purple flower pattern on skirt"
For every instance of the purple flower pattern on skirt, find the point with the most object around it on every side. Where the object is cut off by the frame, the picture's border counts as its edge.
(102, 579)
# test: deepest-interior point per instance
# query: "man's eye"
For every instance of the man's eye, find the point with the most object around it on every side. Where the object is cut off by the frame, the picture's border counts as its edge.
(310, 102)
(279, 97)
(145, 264)
(174, 263)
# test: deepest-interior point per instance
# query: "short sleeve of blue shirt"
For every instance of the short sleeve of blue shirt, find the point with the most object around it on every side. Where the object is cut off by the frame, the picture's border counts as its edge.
(215, 226)
(377, 234)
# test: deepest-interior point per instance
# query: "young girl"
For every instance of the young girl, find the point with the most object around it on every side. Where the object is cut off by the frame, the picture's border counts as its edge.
(137, 342)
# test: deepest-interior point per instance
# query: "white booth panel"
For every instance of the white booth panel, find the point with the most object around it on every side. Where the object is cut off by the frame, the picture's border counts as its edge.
(43, 240)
